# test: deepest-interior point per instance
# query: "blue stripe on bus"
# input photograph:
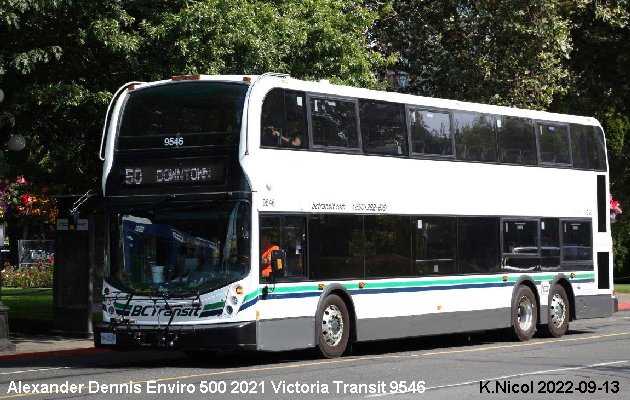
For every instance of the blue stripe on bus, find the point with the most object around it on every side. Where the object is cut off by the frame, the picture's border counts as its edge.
(586, 280)
(392, 290)
(429, 288)
(211, 313)
(249, 303)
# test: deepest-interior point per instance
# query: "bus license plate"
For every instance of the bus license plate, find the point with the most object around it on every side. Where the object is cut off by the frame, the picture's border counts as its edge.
(108, 338)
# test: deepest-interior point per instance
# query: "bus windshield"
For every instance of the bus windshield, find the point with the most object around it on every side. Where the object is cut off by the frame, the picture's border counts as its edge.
(179, 249)
(186, 114)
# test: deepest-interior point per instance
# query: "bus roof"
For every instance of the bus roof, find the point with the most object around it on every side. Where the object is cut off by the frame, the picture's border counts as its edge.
(325, 87)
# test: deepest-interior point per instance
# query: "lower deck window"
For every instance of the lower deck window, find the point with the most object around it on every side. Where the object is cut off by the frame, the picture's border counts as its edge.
(576, 241)
(478, 245)
(337, 246)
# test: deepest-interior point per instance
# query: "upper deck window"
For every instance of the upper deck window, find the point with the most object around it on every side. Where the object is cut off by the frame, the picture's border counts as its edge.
(431, 133)
(183, 114)
(475, 137)
(383, 128)
(517, 140)
(284, 120)
(587, 143)
(600, 145)
(334, 122)
(554, 144)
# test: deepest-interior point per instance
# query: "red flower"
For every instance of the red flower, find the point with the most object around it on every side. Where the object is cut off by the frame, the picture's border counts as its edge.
(26, 199)
(614, 206)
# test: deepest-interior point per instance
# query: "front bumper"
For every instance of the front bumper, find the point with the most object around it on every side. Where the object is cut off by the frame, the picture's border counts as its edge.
(236, 335)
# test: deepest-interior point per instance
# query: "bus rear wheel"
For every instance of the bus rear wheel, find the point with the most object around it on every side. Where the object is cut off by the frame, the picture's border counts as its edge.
(334, 326)
(558, 319)
(524, 313)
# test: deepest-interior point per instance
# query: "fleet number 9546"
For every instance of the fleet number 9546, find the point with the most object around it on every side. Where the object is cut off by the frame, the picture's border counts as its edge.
(174, 141)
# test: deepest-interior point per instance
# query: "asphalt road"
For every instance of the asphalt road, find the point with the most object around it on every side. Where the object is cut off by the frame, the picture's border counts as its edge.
(592, 361)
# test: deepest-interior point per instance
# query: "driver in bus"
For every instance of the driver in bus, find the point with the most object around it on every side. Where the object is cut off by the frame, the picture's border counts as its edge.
(268, 246)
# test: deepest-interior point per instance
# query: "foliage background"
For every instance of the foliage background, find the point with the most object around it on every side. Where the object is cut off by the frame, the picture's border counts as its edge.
(60, 61)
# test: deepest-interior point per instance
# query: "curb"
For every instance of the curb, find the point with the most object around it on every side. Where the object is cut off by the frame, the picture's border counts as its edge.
(624, 306)
(57, 353)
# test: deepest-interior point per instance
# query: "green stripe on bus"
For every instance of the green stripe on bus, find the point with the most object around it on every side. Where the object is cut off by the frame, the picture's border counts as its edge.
(251, 295)
(424, 283)
(211, 306)
(121, 306)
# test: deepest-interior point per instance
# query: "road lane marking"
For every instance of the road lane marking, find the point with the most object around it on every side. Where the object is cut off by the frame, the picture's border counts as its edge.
(24, 371)
(548, 371)
(356, 359)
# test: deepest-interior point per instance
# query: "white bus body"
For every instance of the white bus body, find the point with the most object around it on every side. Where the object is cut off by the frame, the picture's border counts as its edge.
(316, 184)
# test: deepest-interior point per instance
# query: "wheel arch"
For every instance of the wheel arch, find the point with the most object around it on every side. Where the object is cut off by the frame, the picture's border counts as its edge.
(529, 282)
(345, 295)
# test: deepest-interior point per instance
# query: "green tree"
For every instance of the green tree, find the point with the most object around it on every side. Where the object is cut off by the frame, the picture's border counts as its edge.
(600, 86)
(500, 52)
(60, 61)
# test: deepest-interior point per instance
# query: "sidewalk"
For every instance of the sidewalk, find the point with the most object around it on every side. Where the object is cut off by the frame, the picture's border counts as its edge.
(43, 346)
(624, 301)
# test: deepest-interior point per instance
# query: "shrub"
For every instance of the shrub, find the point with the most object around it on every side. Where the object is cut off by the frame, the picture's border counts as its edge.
(38, 275)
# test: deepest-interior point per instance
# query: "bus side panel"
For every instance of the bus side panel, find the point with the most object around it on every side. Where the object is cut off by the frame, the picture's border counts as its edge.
(286, 334)
(431, 312)
(593, 306)
(286, 322)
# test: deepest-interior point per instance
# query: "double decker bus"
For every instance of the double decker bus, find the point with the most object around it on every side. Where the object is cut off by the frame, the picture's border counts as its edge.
(270, 213)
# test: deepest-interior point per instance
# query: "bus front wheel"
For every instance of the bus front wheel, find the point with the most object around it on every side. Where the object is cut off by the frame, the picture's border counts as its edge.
(524, 313)
(334, 326)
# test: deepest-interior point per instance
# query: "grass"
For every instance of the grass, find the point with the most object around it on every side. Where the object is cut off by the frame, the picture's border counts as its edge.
(622, 288)
(29, 304)
(31, 310)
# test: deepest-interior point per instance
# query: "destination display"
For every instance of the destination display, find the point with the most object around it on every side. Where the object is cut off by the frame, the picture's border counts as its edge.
(178, 172)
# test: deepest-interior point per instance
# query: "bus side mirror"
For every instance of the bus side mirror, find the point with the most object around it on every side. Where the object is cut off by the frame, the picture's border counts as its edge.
(278, 259)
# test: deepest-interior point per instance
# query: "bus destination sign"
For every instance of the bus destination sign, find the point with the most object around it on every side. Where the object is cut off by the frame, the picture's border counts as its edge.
(181, 172)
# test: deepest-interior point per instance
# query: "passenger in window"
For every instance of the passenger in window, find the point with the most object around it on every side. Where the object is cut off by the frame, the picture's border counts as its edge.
(294, 137)
(270, 136)
(268, 247)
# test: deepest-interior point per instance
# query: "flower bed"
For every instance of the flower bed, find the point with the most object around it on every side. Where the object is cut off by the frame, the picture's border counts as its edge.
(38, 275)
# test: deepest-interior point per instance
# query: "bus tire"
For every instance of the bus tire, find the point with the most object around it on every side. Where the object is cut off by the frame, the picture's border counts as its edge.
(334, 326)
(559, 312)
(524, 313)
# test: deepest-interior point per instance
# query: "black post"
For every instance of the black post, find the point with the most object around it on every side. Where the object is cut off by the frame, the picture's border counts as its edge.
(77, 242)
(7, 122)
(5, 344)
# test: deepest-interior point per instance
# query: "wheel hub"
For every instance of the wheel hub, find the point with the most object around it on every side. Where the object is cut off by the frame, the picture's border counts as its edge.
(558, 310)
(332, 325)
(525, 313)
